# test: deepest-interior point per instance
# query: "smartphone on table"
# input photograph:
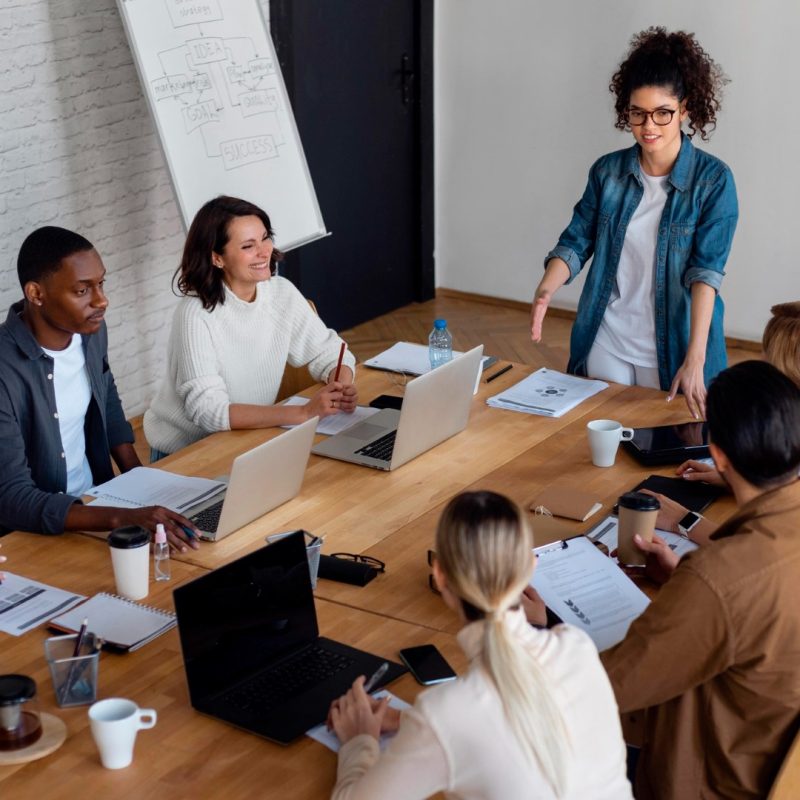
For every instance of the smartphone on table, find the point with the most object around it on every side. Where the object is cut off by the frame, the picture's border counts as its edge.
(427, 664)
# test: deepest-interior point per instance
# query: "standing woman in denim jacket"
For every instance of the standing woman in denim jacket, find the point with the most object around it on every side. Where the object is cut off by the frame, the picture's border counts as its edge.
(659, 219)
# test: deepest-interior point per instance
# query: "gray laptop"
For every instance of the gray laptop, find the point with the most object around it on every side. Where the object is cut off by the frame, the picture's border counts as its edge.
(261, 479)
(435, 407)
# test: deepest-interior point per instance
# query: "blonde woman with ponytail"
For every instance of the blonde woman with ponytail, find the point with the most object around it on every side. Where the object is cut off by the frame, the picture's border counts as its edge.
(533, 717)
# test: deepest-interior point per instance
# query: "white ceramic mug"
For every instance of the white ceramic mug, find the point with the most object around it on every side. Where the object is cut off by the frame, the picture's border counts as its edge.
(115, 723)
(604, 438)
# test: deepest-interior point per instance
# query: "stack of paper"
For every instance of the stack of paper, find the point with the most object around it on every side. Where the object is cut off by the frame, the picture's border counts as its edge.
(411, 359)
(335, 423)
(547, 392)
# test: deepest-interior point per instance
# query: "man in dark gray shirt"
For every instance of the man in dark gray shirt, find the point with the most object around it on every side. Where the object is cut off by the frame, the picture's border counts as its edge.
(62, 278)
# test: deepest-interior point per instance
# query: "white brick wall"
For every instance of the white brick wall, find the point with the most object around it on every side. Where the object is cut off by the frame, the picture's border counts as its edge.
(78, 149)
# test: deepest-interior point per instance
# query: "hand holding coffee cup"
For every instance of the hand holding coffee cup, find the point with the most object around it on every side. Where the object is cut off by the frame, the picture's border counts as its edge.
(115, 723)
(604, 438)
(637, 517)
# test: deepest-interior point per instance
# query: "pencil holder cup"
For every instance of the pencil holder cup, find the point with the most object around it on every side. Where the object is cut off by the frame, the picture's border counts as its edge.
(74, 677)
(313, 548)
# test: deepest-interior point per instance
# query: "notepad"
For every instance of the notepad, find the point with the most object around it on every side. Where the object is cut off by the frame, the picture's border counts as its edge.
(335, 423)
(412, 359)
(122, 624)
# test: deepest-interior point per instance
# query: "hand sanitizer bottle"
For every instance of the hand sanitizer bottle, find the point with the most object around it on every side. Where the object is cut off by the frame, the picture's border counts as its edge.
(161, 565)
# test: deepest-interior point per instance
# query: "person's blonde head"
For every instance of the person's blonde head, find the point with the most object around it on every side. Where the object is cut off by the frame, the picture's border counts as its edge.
(781, 341)
(484, 550)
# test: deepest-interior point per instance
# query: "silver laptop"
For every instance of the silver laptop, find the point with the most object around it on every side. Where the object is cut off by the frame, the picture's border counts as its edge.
(260, 480)
(435, 407)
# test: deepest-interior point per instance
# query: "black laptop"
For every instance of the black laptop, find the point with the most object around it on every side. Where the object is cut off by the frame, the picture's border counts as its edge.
(252, 650)
(669, 444)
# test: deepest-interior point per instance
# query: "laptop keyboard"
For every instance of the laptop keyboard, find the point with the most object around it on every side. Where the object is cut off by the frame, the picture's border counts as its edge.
(208, 518)
(308, 668)
(381, 448)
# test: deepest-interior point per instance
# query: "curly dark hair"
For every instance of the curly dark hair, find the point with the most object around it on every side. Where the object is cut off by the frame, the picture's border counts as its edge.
(676, 60)
(196, 275)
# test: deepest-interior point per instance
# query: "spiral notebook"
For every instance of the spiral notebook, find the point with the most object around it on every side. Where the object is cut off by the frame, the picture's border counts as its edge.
(123, 624)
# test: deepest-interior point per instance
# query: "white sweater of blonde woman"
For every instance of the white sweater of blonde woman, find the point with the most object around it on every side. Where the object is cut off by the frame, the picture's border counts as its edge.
(235, 354)
(456, 738)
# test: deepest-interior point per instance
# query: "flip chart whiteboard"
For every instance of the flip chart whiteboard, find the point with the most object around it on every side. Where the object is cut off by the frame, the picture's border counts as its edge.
(212, 80)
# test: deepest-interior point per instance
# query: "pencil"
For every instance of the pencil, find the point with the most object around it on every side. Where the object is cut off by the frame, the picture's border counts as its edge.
(339, 363)
(499, 372)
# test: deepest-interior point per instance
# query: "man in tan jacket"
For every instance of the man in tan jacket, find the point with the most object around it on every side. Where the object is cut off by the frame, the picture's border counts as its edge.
(715, 659)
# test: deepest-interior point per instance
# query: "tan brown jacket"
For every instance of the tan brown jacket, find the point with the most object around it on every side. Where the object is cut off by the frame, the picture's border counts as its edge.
(715, 660)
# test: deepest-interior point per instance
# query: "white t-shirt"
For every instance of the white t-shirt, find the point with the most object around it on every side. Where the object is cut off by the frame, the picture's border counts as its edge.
(628, 328)
(73, 394)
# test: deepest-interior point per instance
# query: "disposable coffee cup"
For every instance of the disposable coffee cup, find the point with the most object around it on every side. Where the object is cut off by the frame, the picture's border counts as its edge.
(115, 723)
(130, 557)
(637, 515)
(604, 438)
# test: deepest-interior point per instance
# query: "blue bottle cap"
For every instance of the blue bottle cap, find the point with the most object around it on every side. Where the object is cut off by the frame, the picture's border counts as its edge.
(439, 324)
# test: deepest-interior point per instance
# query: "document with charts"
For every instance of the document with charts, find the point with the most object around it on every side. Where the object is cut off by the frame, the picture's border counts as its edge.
(547, 392)
(607, 532)
(588, 590)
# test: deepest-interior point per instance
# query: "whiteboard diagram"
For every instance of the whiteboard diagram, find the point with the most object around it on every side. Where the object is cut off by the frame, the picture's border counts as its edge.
(209, 71)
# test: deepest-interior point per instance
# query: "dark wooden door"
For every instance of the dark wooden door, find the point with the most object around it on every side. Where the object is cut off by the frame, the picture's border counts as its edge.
(359, 76)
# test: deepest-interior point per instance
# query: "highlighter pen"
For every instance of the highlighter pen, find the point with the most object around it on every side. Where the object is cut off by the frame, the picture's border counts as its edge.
(499, 372)
(376, 677)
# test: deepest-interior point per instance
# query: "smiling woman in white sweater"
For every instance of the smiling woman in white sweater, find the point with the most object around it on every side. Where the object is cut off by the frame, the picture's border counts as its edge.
(534, 716)
(237, 327)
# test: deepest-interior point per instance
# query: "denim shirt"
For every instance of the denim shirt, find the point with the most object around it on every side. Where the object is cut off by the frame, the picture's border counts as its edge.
(694, 238)
(33, 469)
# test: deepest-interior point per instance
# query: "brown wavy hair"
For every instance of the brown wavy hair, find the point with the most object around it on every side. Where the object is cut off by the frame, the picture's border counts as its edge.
(675, 60)
(196, 275)
(781, 340)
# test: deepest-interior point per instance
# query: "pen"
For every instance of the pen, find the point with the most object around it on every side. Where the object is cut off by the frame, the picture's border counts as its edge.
(376, 677)
(188, 531)
(71, 677)
(339, 363)
(499, 372)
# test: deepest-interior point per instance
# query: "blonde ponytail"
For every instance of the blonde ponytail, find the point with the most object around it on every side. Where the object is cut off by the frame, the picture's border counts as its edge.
(484, 547)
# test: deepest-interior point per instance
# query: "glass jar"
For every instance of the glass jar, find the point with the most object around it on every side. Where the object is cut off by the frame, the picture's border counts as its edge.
(20, 724)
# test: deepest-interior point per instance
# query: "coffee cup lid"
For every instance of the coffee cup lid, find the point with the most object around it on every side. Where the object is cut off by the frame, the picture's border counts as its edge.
(16, 689)
(128, 537)
(639, 501)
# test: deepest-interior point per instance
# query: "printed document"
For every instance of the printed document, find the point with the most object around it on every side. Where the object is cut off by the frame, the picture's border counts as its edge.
(145, 486)
(321, 734)
(587, 589)
(547, 392)
(24, 603)
(606, 532)
(335, 423)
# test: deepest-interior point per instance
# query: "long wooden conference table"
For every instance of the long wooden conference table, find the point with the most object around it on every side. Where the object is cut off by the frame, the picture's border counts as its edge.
(391, 516)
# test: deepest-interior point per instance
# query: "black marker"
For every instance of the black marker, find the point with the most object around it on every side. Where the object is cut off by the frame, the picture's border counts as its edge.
(499, 372)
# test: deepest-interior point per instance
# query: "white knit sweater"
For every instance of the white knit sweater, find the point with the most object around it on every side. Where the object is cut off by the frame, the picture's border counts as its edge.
(235, 354)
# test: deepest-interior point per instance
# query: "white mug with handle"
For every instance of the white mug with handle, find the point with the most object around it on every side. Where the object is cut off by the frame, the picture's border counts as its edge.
(115, 723)
(604, 438)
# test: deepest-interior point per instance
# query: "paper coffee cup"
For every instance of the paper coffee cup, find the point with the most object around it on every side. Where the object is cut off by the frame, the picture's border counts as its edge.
(637, 515)
(130, 558)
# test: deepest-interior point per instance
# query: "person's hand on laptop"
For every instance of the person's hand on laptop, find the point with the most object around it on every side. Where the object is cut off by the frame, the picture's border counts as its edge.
(698, 471)
(181, 533)
(357, 712)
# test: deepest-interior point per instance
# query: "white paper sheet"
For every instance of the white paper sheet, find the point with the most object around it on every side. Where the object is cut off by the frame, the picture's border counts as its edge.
(547, 392)
(321, 734)
(607, 532)
(25, 604)
(336, 423)
(587, 589)
(145, 486)
(412, 359)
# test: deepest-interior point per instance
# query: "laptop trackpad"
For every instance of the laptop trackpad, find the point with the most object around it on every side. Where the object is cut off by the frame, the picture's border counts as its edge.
(365, 431)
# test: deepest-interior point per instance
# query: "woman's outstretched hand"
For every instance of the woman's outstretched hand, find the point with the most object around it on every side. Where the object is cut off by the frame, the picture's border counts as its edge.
(689, 379)
(538, 310)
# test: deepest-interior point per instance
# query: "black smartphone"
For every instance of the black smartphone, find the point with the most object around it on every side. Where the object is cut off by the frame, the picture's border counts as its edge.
(427, 664)
(387, 401)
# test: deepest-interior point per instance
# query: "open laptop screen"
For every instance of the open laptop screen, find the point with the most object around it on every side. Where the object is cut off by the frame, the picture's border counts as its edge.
(246, 615)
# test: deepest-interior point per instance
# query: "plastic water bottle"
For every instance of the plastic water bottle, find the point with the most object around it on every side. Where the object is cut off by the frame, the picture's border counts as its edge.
(440, 344)
(161, 565)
